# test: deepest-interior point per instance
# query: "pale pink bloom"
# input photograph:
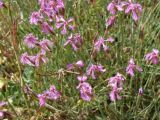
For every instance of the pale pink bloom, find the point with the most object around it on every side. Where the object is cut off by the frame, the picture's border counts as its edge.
(82, 78)
(51, 7)
(153, 56)
(45, 45)
(30, 40)
(113, 7)
(1, 112)
(52, 93)
(116, 81)
(110, 39)
(116, 84)
(78, 64)
(46, 28)
(2, 104)
(100, 43)
(64, 24)
(111, 21)
(75, 41)
(70, 66)
(134, 9)
(94, 70)
(26, 59)
(39, 59)
(114, 94)
(42, 99)
(140, 92)
(85, 91)
(132, 67)
(35, 18)
(2, 4)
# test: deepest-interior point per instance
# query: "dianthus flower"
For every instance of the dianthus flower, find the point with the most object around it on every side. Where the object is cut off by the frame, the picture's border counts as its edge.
(45, 45)
(132, 67)
(46, 28)
(85, 91)
(82, 78)
(51, 94)
(35, 18)
(134, 8)
(26, 59)
(94, 70)
(78, 64)
(116, 84)
(75, 41)
(64, 24)
(113, 7)
(153, 56)
(30, 40)
(100, 43)
(51, 7)
(40, 58)
(140, 92)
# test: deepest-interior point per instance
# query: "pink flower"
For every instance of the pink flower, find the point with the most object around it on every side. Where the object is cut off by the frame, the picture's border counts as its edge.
(42, 99)
(78, 64)
(1, 115)
(100, 44)
(45, 45)
(134, 9)
(153, 56)
(114, 94)
(116, 81)
(64, 24)
(111, 21)
(113, 7)
(51, 7)
(46, 28)
(39, 59)
(26, 59)
(94, 70)
(2, 104)
(116, 84)
(30, 40)
(35, 18)
(132, 67)
(140, 92)
(52, 93)
(2, 4)
(110, 39)
(82, 78)
(85, 91)
(75, 41)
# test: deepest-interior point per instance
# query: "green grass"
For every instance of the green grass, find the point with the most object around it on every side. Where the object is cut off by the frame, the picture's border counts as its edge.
(89, 21)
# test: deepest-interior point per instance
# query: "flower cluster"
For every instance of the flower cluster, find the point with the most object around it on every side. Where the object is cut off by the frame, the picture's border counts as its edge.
(44, 45)
(52, 11)
(128, 7)
(116, 84)
(51, 94)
